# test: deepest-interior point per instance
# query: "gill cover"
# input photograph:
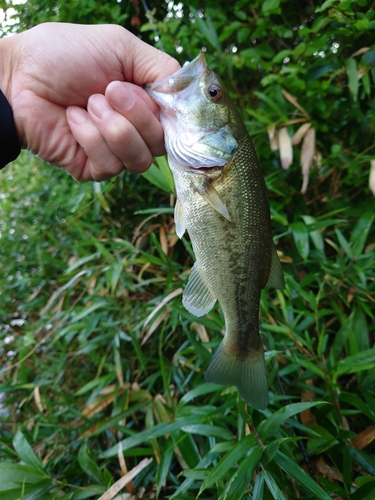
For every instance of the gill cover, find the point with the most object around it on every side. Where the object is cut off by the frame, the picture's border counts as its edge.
(198, 129)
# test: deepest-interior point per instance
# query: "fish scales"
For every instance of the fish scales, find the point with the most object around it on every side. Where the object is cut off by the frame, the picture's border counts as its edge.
(223, 205)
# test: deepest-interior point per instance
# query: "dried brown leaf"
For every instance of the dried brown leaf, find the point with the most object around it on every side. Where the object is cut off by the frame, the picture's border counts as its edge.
(300, 133)
(166, 299)
(202, 332)
(307, 156)
(163, 240)
(327, 471)
(371, 179)
(38, 399)
(273, 137)
(307, 418)
(121, 460)
(124, 480)
(285, 147)
(293, 100)
(364, 438)
(154, 326)
(361, 51)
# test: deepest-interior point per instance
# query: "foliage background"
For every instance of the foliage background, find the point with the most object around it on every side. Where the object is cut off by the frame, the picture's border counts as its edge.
(96, 346)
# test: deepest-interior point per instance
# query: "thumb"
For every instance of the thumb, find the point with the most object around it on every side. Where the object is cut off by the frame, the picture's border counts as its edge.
(146, 63)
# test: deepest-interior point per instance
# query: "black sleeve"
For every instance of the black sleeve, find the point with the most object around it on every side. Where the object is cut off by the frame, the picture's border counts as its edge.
(10, 146)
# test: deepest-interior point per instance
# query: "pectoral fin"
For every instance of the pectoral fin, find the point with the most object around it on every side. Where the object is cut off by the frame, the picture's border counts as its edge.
(179, 219)
(212, 197)
(276, 277)
(197, 298)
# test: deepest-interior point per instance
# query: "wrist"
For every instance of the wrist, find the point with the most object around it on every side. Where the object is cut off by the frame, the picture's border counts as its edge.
(6, 65)
(9, 142)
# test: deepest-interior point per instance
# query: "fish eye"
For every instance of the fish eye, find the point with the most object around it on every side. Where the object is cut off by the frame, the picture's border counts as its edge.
(214, 93)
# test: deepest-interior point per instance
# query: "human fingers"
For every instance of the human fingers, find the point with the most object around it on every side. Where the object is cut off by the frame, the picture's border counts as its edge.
(133, 142)
(98, 162)
(143, 63)
(132, 102)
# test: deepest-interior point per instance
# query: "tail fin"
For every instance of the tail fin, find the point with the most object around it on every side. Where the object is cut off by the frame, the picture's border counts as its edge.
(248, 375)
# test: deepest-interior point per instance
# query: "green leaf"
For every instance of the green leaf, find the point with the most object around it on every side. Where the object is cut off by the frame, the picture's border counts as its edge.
(90, 466)
(367, 490)
(272, 486)
(164, 467)
(352, 74)
(226, 463)
(87, 311)
(353, 331)
(364, 360)
(294, 471)
(315, 235)
(258, 487)
(360, 233)
(208, 430)
(152, 433)
(366, 461)
(205, 462)
(34, 491)
(241, 479)
(301, 238)
(208, 30)
(160, 175)
(325, 5)
(25, 452)
(200, 390)
(12, 474)
(270, 426)
(162, 163)
(270, 5)
(344, 243)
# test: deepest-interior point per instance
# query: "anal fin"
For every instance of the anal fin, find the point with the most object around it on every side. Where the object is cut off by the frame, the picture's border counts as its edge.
(276, 277)
(197, 298)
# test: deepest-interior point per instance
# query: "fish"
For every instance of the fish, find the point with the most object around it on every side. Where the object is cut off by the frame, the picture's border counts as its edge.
(222, 203)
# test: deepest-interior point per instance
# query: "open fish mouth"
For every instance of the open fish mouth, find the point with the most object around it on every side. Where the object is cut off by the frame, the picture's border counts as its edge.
(179, 80)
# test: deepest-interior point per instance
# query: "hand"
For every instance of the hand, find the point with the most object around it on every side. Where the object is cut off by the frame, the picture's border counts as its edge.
(77, 98)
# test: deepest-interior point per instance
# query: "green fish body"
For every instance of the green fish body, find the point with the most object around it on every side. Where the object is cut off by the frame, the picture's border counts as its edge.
(222, 203)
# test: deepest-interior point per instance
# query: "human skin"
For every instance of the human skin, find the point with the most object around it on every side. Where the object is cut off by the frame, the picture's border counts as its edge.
(77, 97)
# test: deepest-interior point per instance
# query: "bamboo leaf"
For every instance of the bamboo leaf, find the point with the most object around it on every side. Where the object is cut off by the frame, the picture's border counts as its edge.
(89, 465)
(301, 238)
(25, 452)
(294, 471)
(241, 479)
(364, 360)
(352, 74)
(272, 486)
(269, 427)
(258, 487)
(226, 463)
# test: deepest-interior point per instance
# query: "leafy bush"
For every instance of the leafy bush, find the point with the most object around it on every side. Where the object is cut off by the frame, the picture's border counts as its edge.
(102, 366)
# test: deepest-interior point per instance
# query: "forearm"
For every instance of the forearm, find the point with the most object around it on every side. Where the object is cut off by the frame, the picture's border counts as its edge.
(9, 141)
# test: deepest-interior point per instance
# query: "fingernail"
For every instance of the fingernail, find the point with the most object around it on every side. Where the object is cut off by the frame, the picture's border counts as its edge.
(76, 115)
(121, 97)
(98, 105)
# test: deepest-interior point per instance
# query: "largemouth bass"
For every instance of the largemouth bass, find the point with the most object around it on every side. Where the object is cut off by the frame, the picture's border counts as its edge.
(222, 203)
